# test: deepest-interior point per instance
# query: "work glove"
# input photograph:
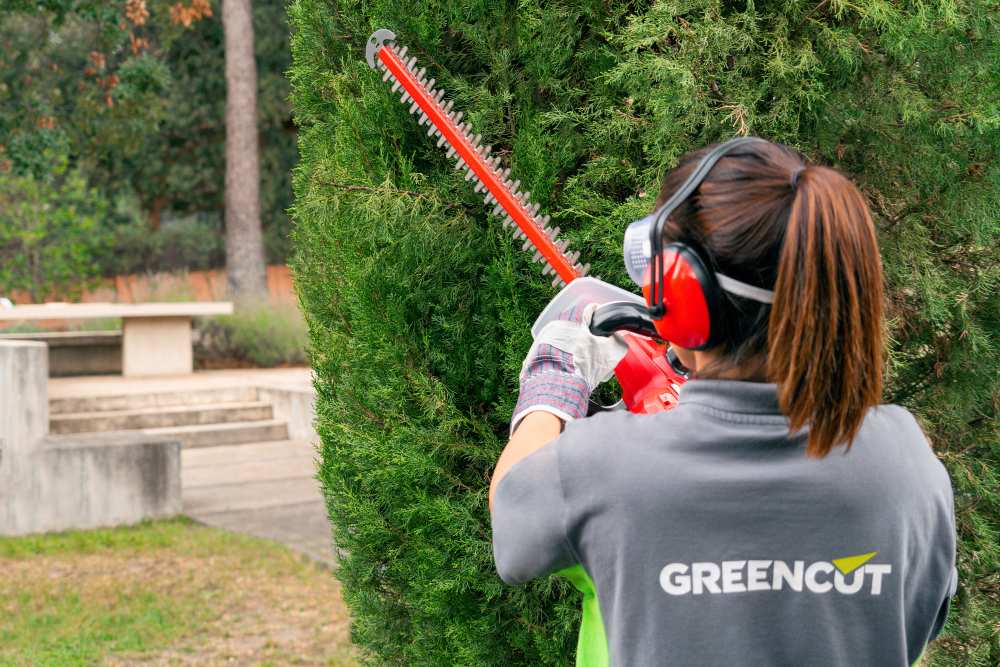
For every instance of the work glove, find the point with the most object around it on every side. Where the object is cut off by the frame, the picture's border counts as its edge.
(564, 366)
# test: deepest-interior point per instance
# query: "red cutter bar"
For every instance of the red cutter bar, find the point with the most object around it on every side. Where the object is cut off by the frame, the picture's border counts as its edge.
(471, 155)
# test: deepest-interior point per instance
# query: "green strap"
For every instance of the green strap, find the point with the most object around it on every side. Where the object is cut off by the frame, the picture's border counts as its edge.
(592, 645)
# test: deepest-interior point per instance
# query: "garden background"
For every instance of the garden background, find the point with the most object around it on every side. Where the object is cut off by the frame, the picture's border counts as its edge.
(113, 163)
(112, 115)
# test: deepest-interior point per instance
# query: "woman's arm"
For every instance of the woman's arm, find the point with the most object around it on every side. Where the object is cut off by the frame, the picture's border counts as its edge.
(562, 368)
(536, 430)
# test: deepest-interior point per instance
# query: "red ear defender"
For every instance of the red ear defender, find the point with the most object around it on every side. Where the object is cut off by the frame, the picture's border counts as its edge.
(690, 296)
(682, 293)
(683, 296)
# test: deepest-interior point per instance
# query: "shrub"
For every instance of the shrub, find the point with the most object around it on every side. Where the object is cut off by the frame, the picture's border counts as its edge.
(192, 242)
(21, 328)
(262, 334)
(49, 232)
(419, 305)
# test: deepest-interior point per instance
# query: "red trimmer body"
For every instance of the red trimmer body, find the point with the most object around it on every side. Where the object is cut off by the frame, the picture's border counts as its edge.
(649, 383)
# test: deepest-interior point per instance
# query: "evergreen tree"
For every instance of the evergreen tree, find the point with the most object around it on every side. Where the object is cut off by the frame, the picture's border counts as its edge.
(419, 304)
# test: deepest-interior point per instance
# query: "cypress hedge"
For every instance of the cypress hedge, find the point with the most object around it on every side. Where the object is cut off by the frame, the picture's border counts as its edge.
(419, 304)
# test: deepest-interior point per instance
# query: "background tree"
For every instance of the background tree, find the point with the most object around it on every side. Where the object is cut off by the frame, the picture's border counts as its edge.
(156, 152)
(244, 247)
(419, 304)
(50, 235)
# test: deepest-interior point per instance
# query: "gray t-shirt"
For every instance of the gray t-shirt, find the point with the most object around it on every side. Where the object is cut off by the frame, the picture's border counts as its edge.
(713, 540)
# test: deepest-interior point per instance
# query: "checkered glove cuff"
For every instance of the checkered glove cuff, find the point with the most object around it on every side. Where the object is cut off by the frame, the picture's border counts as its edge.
(549, 384)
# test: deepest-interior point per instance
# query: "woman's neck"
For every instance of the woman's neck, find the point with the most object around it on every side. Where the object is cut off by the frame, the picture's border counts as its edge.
(710, 365)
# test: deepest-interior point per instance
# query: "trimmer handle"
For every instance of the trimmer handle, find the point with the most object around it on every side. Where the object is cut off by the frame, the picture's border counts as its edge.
(633, 318)
(649, 377)
(650, 374)
(622, 316)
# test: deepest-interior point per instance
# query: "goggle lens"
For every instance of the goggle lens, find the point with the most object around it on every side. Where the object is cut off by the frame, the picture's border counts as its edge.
(637, 250)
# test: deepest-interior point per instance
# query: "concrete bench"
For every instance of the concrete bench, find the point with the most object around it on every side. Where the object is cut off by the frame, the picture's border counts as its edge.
(156, 337)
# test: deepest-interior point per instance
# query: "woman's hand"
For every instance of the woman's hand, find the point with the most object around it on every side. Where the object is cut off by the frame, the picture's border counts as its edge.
(562, 368)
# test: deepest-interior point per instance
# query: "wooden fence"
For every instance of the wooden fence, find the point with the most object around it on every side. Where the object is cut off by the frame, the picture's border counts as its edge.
(181, 286)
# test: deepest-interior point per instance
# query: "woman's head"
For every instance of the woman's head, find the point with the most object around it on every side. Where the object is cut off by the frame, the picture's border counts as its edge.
(764, 216)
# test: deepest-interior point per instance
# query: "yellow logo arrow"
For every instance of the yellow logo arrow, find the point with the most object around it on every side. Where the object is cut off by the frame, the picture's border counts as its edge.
(848, 564)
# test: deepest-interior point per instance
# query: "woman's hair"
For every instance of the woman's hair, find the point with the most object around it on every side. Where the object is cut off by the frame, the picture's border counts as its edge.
(766, 217)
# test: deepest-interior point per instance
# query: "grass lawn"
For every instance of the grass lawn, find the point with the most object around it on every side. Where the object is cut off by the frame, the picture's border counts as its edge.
(166, 593)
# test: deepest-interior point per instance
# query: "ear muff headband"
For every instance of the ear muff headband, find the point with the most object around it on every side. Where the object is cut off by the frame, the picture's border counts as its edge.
(684, 293)
(744, 290)
(687, 188)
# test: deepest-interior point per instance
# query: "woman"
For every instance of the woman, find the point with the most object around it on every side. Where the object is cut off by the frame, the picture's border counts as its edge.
(777, 515)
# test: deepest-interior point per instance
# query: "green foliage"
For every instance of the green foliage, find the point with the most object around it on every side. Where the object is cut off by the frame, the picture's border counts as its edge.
(419, 305)
(184, 243)
(21, 328)
(49, 233)
(96, 324)
(264, 334)
(145, 124)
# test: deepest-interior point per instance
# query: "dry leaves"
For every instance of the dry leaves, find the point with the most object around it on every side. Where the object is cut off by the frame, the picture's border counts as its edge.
(136, 11)
(196, 11)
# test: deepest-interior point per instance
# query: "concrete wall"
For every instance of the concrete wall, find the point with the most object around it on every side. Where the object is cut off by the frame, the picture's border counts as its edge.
(78, 352)
(104, 481)
(297, 406)
(80, 482)
(24, 422)
(139, 288)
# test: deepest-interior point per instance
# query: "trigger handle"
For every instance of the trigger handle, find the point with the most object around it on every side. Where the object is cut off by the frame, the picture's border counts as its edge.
(623, 316)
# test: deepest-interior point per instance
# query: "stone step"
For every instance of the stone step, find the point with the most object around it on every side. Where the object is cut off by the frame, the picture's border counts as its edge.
(138, 401)
(235, 433)
(211, 435)
(253, 496)
(238, 464)
(159, 417)
(215, 457)
(247, 472)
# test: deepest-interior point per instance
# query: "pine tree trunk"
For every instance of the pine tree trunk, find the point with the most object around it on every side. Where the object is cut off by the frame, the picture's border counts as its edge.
(245, 269)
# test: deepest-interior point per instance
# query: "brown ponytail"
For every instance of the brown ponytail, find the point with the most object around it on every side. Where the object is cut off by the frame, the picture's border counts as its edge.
(825, 340)
(764, 217)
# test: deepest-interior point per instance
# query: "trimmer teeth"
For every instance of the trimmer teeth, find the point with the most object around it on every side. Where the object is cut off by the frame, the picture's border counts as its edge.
(483, 170)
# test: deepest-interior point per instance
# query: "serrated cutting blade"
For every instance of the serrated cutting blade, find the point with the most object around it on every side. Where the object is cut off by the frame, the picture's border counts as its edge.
(484, 171)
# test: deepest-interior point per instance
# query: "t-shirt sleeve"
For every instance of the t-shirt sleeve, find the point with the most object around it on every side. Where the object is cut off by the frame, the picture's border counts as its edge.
(952, 588)
(529, 519)
(942, 580)
(942, 615)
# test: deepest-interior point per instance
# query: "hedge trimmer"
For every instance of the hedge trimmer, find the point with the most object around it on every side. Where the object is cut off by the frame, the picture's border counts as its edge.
(648, 374)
